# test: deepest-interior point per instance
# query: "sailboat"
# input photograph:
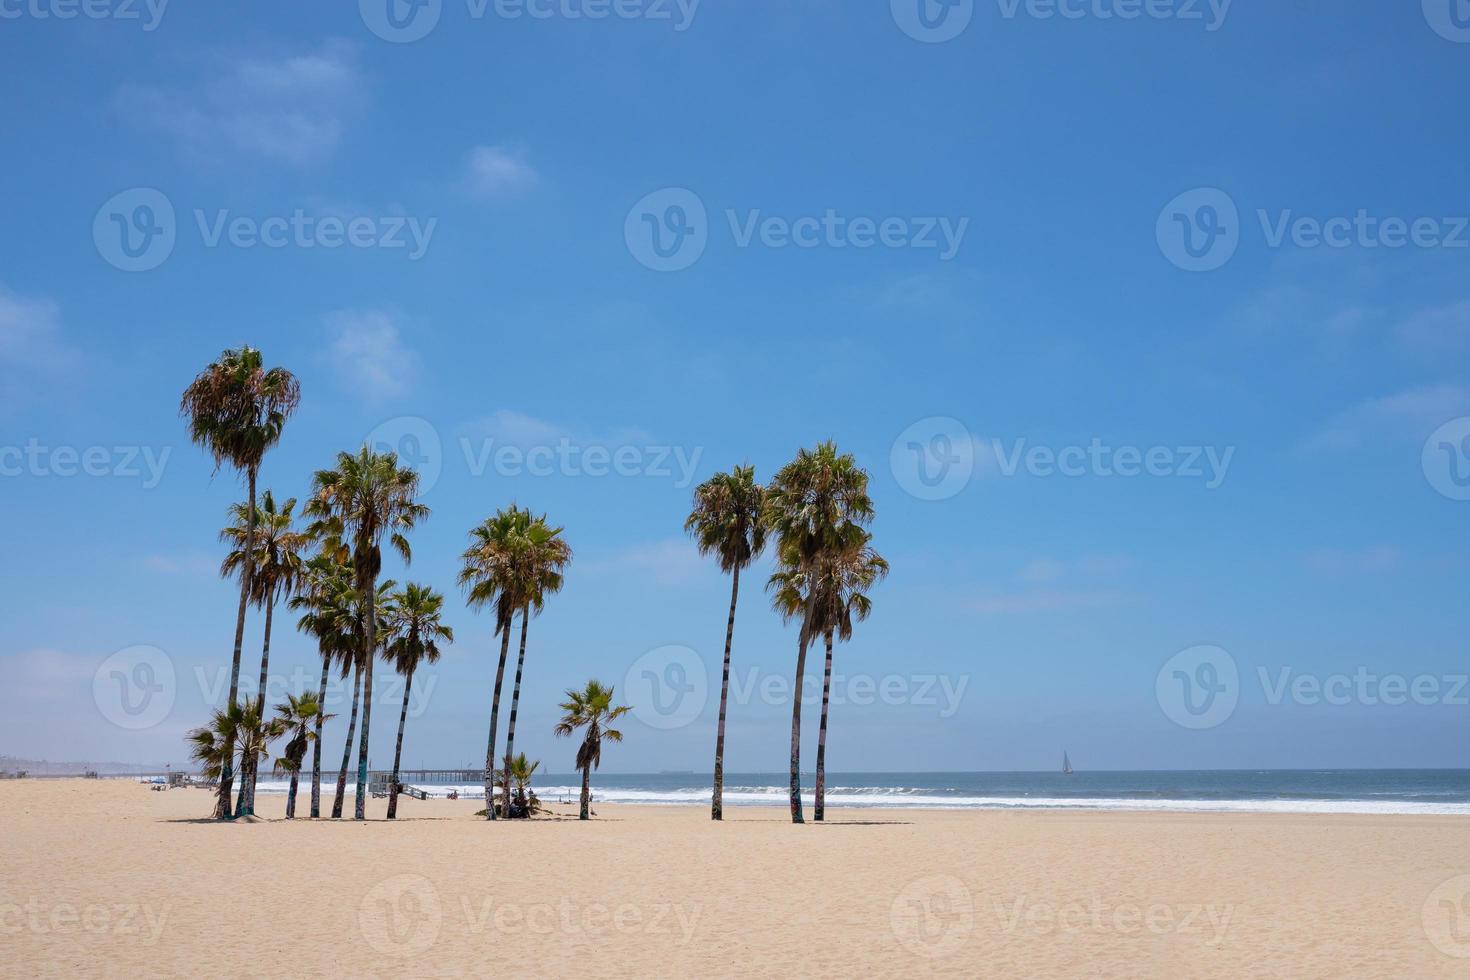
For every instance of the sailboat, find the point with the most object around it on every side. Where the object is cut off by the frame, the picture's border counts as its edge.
(1066, 765)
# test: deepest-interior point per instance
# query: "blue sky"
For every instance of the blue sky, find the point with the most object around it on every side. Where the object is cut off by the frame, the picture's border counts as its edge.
(971, 245)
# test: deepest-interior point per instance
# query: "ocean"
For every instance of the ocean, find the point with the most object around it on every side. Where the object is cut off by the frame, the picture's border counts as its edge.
(1272, 791)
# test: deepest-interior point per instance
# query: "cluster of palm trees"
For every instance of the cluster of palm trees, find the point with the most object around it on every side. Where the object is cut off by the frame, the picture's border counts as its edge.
(818, 510)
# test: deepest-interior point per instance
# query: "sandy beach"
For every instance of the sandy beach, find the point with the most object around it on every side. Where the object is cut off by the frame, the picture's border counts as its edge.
(110, 879)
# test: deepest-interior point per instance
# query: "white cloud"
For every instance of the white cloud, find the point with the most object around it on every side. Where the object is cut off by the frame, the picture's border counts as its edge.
(291, 109)
(671, 561)
(1337, 561)
(493, 172)
(1443, 328)
(1407, 415)
(1046, 601)
(1050, 570)
(191, 563)
(31, 344)
(368, 355)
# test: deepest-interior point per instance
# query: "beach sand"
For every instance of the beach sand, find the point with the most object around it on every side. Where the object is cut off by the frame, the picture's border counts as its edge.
(106, 878)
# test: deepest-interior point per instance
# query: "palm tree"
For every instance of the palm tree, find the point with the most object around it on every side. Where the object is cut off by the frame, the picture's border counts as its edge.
(301, 717)
(233, 731)
(807, 505)
(491, 576)
(353, 661)
(366, 498)
(839, 580)
(326, 601)
(540, 564)
(521, 770)
(236, 409)
(414, 632)
(728, 521)
(593, 710)
(267, 540)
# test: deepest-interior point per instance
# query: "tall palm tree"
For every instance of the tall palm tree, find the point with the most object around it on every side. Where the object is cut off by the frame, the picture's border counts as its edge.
(728, 521)
(326, 603)
(414, 632)
(353, 661)
(266, 539)
(366, 498)
(236, 408)
(301, 717)
(807, 505)
(541, 563)
(491, 576)
(237, 730)
(839, 580)
(592, 709)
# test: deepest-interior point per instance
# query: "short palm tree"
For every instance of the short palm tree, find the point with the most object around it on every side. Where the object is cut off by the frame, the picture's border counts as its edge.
(275, 555)
(366, 498)
(233, 732)
(236, 409)
(592, 709)
(728, 521)
(414, 632)
(809, 502)
(521, 771)
(491, 576)
(301, 717)
(540, 565)
(353, 662)
(325, 601)
(838, 582)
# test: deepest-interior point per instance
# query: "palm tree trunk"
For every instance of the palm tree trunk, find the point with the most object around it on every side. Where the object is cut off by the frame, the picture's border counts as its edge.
(515, 702)
(717, 805)
(586, 793)
(316, 748)
(226, 778)
(246, 804)
(347, 749)
(291, 796)
(398, 752)
(369, 640)
(819, 807)
(494, 722)
(796, 816)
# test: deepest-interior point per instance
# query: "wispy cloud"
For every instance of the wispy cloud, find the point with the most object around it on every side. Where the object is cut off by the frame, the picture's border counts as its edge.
(1339, 561)
(1437, 330)
(669, 562)
(1092, 566)
(1392, 418)
(191, 563)
(31, 345)
(494, 172)
(509, 427)
(1047, 601)
(291, 108)
(368, 355)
